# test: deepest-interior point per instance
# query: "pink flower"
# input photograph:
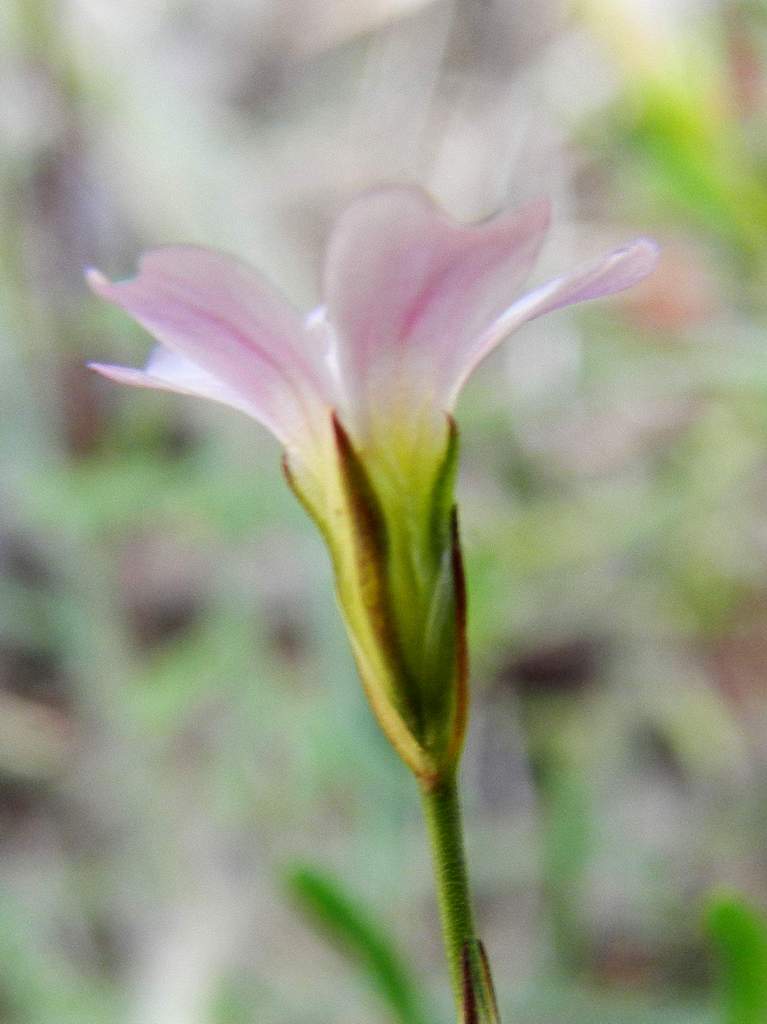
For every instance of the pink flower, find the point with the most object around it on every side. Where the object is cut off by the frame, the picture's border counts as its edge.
(413, 303)
(360, 394)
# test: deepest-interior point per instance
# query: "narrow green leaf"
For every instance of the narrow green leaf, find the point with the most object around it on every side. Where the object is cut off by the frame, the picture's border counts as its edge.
(336, 913)
(739, 936)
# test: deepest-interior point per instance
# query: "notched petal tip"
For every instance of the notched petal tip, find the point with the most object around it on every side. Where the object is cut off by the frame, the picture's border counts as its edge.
(105, 369)
(122, 374)
(96, 281)
(619, 270)
(643, 254)
(534, 215)
(397, 199)
(113, 292)
(406, 193)
(645, 244)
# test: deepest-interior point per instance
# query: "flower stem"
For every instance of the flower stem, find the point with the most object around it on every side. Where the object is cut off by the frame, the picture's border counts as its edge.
(443, 818)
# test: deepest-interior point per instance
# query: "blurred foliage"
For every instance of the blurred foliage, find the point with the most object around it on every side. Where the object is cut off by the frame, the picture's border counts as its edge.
(685, 117)
(326, 904)
(739, 934)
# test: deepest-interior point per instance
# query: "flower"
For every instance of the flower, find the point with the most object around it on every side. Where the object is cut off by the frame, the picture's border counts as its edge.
(360, 393)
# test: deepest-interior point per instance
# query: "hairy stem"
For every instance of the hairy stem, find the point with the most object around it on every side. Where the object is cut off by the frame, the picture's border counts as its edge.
(443, 817)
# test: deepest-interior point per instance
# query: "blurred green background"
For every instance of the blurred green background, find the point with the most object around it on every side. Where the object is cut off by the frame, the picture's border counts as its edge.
(199, 821)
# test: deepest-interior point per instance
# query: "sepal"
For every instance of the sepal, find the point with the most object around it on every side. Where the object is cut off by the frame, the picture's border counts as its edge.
(362, 542)
(400, 585)
(480, 1005)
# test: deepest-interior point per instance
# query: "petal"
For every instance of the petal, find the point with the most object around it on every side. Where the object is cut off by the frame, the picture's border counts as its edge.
(406, 288)
(224, 319)
(615, 272)
(166, 371)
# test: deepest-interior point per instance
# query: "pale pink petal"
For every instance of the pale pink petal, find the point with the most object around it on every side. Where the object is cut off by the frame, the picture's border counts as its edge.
(167, 371)
(225, 319)
(405, 287)
(615, 272)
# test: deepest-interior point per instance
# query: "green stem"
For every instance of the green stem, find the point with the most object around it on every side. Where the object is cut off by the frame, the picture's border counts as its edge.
(443, 818)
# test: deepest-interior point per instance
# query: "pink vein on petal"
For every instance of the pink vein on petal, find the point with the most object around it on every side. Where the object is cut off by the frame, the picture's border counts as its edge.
(407, 288)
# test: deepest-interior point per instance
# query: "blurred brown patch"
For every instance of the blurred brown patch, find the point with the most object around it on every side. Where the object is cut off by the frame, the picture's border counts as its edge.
(655, 748)
(745, 62)
(34, 674)
(625, 961)
(84, 413)
(738, 660)
(287, 630)
(23, 561)
(567, 667)
(162, 584)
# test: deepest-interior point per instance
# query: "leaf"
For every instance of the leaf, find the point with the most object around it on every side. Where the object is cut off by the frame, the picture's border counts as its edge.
(339, 916)
(739, 937)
